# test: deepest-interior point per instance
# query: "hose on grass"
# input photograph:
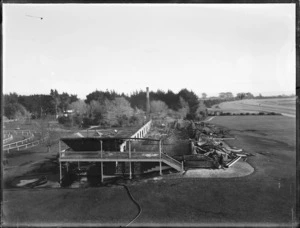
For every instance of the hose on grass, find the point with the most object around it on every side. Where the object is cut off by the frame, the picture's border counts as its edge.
(134, 201)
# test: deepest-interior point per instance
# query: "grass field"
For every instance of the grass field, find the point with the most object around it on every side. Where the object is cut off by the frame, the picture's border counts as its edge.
(280, 105)
(264, 198)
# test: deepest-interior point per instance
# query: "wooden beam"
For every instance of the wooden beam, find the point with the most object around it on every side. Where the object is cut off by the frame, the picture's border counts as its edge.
(110, 160)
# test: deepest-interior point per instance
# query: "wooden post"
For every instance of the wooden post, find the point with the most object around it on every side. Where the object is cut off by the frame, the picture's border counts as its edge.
(129, 149)
(160, 170)
(78, 165)
(101, 148)
(159, 149)
(101, 172)
(67, 164)
(130, 173)
(59, 148)
(60, 172)
(182, 170)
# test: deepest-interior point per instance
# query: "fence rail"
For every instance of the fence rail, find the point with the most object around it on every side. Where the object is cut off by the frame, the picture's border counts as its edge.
(16, 144)
(19, 132)
(8, 138)
(28, 145)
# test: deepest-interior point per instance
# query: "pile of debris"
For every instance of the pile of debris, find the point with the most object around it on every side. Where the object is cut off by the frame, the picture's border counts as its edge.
(208, 149)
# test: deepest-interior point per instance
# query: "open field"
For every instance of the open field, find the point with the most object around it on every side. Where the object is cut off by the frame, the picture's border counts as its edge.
(266, 197)
(280, 105)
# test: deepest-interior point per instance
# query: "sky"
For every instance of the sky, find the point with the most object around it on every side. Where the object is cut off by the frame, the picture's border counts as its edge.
(211, 48)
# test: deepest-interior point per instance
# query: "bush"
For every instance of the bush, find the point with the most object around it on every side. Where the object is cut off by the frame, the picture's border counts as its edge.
(241, 114)
(77, 120)
(86, 122)
(261, 113)
(66, 121)
(247, 113)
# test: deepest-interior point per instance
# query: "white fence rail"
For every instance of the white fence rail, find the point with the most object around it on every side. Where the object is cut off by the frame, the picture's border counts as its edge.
(25, 146)
(18, 143)
(7, 138)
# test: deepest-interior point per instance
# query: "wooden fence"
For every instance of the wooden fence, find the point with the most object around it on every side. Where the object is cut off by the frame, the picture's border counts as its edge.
(21, 146)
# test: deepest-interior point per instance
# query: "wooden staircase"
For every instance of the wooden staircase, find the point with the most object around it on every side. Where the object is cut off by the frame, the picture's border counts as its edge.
(172, 162)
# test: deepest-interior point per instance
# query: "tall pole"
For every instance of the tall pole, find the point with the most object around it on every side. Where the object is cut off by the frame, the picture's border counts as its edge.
(148, 102)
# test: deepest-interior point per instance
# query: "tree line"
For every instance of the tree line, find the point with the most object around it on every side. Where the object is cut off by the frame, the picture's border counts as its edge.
(106, 108)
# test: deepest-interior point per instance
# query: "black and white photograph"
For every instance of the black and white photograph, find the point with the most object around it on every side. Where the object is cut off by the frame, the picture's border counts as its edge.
(139, 114)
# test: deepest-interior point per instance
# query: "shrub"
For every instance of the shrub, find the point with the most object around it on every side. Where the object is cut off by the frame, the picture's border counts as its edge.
(247, 113)
(66, 121)
(241, 114)
(261, 113)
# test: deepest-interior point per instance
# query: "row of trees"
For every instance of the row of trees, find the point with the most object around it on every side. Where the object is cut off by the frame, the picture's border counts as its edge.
(37, 105)
(226, 96)
(104, 107)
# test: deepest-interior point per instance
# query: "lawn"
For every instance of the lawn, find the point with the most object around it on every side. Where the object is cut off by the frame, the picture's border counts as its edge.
(266, 197)
(280, 105)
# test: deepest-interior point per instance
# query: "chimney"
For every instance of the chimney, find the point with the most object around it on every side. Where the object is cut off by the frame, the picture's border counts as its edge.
(148, 102)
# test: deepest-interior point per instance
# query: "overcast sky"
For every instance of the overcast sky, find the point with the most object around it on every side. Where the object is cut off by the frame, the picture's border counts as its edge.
(208, 48)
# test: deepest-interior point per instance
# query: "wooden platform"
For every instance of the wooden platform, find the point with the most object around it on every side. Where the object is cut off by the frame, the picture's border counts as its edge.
(111, 156)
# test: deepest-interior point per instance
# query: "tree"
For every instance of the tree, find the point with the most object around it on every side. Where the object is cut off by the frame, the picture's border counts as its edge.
(117, 111)
(184, 107)
(204, 95)
(79, 106)
(56, 100)
(226, 95)
(201, 111)
(158, 106)
(100, 96)
(15, 111)
(240, 96)
(64, 101)
(249, 95)
(192, 99)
